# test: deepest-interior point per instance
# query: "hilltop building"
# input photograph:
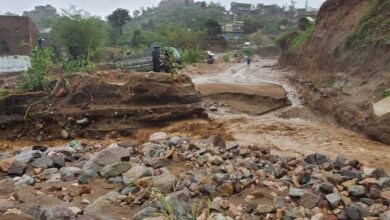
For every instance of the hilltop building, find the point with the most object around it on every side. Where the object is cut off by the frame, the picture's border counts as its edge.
(17, 36)
(175, 3)
(240, 8)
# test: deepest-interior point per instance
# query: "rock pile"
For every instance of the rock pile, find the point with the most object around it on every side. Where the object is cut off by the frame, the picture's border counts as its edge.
(180, 178)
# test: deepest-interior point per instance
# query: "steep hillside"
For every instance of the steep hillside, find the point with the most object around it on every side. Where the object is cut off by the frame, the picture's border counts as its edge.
(343, 62)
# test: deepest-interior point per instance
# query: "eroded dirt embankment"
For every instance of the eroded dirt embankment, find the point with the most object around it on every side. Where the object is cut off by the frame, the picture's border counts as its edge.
(99, 104)
(344, 66)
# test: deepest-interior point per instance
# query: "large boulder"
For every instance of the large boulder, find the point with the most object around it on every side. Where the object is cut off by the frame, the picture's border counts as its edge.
(110, 155)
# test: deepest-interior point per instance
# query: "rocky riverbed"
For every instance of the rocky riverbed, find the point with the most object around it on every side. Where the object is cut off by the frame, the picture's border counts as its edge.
(177, 177)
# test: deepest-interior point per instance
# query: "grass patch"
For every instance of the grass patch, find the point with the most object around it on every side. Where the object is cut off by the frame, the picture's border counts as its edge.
(299, 40)
(373, 28)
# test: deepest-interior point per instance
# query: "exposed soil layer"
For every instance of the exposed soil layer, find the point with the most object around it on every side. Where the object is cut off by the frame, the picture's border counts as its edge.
(249, 99)
(98, 104)
(343, 68)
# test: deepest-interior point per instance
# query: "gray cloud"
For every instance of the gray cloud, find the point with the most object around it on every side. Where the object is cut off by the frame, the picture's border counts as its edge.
(104, 7)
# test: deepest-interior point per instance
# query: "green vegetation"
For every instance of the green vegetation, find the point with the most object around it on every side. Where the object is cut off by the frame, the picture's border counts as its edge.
(38, 75)
(168, 208)
(118, 19)
(373, 28)
(2, 92)
(386, 93)
(80, 35)
(249, 52)
(294, 40)
(300, 39)
(226, 58)
(192, 56)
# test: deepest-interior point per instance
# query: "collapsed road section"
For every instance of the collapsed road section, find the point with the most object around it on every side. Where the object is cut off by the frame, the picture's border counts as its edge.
(97, 104)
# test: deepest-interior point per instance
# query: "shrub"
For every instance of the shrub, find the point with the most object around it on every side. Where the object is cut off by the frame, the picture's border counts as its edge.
(192, 56)
(386, 93)
(248, 52)
(226, 58)
(2, 92)
(38, 74)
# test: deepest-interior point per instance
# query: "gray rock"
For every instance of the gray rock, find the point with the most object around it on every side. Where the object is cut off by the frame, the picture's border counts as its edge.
(51, 213)
(129, 190)
(27, 156)
(48, 173)
(95, 208)
(351, 173)
(145, 213)
(157, 162)
(136, 173)
(70, 171)
(117, 179)
(24, 181)
(357, 190)
(384, 182)
(217, 141)
(152, 150)
(308, 200)
(17, 168)
(353, 213)
(180, 200)
(218, 216)
(165, 181)
(296, 212)
(327, 187)
(333, 199)
(295, 192)
(115, 169)
(264, 209)
(341, 161)
(279, 202)
(158, 136)
(87, 176)
(110, 155)
(385, 216)
(215, 160)
(317, 159)
(43, 162)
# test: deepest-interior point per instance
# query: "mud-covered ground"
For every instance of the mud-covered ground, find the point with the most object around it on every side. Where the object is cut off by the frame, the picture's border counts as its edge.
(292, 130)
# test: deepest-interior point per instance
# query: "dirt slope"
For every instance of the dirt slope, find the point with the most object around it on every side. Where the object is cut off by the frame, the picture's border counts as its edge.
(344, 66)
(99, 104)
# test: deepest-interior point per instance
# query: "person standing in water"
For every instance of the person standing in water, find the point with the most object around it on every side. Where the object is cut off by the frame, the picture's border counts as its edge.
(248, 61)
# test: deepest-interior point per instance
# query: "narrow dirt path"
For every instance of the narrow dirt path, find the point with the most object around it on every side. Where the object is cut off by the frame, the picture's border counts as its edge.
(293, 130)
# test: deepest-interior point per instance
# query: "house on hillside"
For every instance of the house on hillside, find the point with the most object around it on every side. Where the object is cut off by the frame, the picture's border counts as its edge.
(175, 3)
(17, 36)
(232, 30)
(303, 12)
(240, 8)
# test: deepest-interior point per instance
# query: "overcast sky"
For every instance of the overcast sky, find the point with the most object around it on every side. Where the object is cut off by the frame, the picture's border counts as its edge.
(105, 7)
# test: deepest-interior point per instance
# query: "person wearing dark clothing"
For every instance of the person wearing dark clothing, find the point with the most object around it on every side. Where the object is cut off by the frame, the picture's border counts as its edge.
(248, 61)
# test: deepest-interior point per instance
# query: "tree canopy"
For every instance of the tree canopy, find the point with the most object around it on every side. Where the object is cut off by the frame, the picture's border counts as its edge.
(79, 35)
(119, 18)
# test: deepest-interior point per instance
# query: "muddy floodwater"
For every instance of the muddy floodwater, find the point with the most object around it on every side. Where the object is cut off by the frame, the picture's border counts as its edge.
(291, 130)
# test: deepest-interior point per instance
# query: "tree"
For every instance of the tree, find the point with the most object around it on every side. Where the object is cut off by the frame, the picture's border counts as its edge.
(203, 5)
(79, 35)
(213, 27)
(136, 13)
(119, 18)
(135, 40)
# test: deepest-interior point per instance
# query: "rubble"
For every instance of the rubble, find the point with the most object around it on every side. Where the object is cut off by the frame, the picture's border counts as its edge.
(269, 187)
